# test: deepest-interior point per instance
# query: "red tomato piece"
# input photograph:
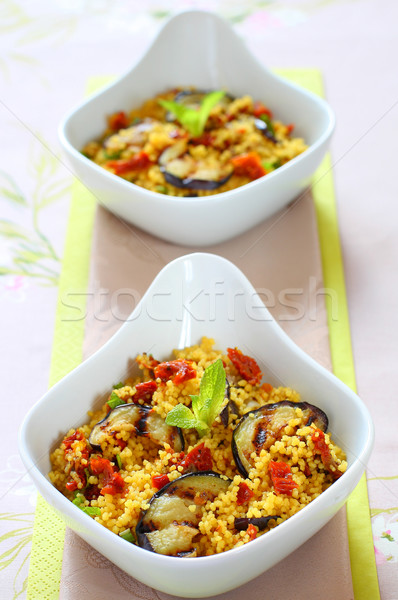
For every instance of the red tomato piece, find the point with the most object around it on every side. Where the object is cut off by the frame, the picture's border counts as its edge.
(321, 447)
(267, 387)
(138, 162)
(289, 128)
(68, 441)
(112, 482)
(144, 391)
(71, 485)
(118, 121)
(244, 494)
(245, 365)
(248, 165)
(260, 109)
(252, 531)
(206, 139)
(100, 465)
(159, 481)
(281, 476)
(179, 370)
(198, 459)
(114, 486)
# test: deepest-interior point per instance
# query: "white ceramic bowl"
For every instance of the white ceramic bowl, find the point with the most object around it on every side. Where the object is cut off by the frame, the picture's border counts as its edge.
(199, 49)
(196, 295)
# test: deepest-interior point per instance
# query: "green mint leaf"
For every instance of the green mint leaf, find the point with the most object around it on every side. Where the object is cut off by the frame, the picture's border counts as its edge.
(197, 403)
(208, 102)
(115, 401)
(181, 416)
(179, 110)
(206, 406)
(193, 120)
(212, 389)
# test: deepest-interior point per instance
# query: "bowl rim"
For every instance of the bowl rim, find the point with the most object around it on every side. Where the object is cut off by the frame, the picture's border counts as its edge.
(218, 197)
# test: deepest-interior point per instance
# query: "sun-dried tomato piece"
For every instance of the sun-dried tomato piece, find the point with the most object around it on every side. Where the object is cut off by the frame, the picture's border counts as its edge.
(198, 459)
(144, 391)
(252, 531)
(71, 485)
(267, 388)
(281, 476)
(178, 370)
(260, 109)
(248, 165)
(321, 447)
(289, 128)
(159, 481)
(244, 494)
(68, 441)
(138, 162)
(112, 482)
(246, 366)
(118, 120)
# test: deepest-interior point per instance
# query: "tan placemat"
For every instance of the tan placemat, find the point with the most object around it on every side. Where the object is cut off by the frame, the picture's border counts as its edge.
(282, 260)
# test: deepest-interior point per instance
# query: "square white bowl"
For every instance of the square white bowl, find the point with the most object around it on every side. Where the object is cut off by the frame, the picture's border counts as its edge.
(199, 295)
(199, 49)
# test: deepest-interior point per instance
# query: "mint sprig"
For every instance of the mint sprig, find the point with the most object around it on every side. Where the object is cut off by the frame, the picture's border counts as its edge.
(206, 406)
(194, 120)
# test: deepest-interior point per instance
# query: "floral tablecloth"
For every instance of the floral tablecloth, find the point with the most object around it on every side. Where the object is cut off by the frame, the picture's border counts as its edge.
(48, 50)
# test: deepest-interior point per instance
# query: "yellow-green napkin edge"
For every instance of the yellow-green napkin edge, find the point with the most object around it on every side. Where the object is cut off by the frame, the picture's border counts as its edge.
(49, 530)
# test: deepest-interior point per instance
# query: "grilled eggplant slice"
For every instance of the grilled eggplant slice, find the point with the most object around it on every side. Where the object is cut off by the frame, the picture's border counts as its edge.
(169, 526)
(183, 171)
(139, 420)
(259, 428)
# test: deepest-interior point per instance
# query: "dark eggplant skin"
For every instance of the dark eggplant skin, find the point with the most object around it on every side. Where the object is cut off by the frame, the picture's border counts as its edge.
(168, 526)
(242, 523)
(230, 408)
(224, 414)
(259, 428)
(263, 127)
(146, 423)
(190, 183)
